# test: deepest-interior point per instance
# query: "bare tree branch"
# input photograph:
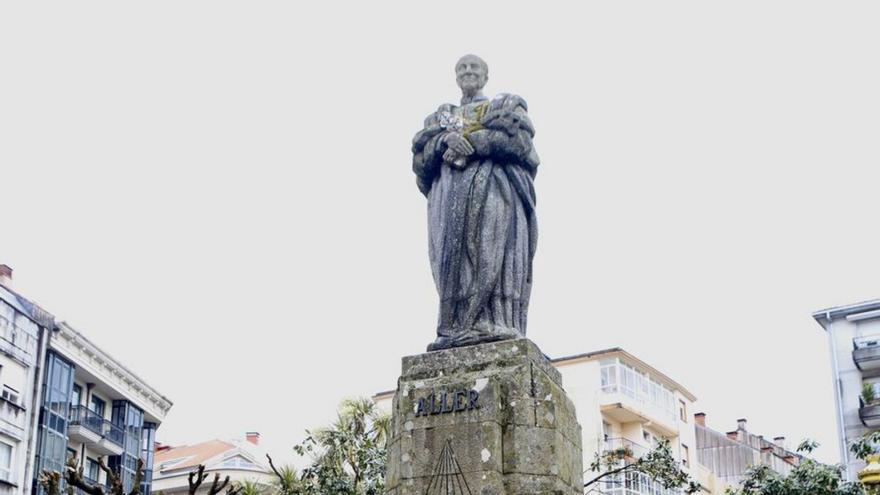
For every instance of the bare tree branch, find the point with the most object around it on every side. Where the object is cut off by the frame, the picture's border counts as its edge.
(113, 479)
(50, 481)
(195, 479)
(609, 473)
(138, 478)
(274, 470)
(216, 486)
(74, 477)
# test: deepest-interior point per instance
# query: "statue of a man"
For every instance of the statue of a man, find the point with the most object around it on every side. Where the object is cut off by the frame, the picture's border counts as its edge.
(475, 163)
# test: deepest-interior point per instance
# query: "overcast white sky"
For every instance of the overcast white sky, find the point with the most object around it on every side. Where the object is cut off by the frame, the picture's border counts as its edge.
(219, 193)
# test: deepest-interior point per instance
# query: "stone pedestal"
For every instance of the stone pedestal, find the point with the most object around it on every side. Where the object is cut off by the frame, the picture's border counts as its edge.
(488, 419)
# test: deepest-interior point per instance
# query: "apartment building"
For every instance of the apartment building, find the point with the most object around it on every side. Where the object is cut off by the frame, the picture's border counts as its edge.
(241, 460)
(93, 406)
(854, 342)
(23, 330)
(624, 403)
(729, 455)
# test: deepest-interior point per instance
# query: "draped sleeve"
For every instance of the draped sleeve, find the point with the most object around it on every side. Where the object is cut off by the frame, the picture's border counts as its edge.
(428, 148)
(506, 133)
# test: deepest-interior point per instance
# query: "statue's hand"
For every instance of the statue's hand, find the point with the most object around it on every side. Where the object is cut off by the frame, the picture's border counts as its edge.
(459, 144)
(453, 158)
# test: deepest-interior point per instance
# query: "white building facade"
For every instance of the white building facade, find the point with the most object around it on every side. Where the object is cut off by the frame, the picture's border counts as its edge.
(23, 330)
(854, 342)
(94, 407)
(624, 403)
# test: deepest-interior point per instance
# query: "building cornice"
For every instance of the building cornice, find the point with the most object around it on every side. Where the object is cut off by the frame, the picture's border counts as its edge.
(120, 377)
(629, 358)
(823, 315)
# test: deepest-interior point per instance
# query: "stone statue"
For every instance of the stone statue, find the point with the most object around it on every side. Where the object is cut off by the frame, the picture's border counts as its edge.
(475, 163)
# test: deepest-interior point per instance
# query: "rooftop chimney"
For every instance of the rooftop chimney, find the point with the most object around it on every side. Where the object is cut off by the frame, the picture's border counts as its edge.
(252, 437)
(733, 435)
(779, 441)
(5, 276)
(741, 424)
(700, 418)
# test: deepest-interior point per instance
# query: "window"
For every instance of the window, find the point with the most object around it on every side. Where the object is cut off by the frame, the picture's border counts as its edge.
(92, 469)
(76, 396)
(606, 431)
(685, 456)
(5, 461)
(682, 410)
(238, 462)
(98, 406)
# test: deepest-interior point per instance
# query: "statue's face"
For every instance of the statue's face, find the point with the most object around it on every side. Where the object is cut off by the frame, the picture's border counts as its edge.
(471, 73)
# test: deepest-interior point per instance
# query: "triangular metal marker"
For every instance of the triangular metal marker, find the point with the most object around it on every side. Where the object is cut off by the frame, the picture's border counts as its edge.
(446, 477)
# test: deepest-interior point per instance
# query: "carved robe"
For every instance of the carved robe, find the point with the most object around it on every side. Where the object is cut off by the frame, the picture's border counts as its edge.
(481, 218)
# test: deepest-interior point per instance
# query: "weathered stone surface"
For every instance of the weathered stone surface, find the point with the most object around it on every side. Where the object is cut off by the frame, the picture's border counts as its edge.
(476, 164)
(523, 438)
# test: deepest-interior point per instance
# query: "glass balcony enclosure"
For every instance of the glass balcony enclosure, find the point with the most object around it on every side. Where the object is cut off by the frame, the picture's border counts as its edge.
(632, 483)
(620, 377)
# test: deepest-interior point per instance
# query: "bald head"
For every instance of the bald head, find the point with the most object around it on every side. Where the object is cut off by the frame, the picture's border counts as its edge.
(471, 73)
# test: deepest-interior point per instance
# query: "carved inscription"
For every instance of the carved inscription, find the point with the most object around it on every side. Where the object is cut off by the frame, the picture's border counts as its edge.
(448, 402)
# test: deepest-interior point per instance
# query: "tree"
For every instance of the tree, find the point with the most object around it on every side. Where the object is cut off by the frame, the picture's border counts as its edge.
(73, 477)
(807, 478)
(287, 481)
(347, 457)
(866, 445)
(616, 465)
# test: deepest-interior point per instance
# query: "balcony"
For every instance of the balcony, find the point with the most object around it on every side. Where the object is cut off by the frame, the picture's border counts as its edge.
(16, 342)
(628, 395)
(869, 413)
(12, 418)
(866, 352)
(633, 483)
(624, 449)
(88, 427)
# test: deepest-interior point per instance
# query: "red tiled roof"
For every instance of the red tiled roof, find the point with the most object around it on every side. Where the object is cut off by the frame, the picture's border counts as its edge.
(190, 455)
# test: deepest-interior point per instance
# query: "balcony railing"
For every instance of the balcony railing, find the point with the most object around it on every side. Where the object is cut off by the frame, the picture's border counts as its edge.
(866, 352)
(633, 483)
(625, 449)
(83, 416)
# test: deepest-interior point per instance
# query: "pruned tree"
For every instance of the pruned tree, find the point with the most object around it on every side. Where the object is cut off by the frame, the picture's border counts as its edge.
(197, 476)
(73, 477)
(615, 465)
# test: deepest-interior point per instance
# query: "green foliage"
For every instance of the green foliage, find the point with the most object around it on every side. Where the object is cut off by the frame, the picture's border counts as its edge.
(807, 478)
(286, 481)
(249, 487)
(868, 393)
(866, 445)
(348, 456)
(657, 464)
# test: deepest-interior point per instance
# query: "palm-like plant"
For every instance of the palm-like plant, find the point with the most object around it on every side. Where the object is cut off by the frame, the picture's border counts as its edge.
(250, 487)
(348, 456)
